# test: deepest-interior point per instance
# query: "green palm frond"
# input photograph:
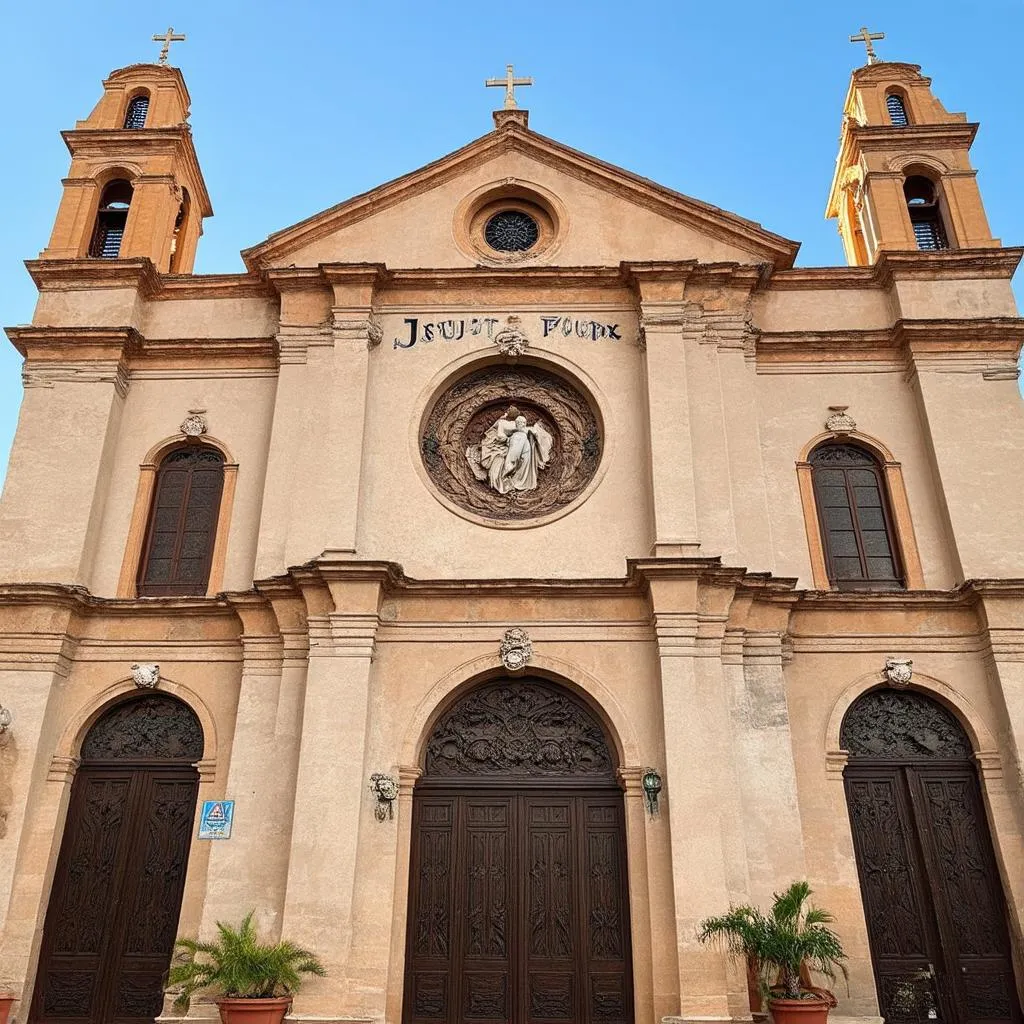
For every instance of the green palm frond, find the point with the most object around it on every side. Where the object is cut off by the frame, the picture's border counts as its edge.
(792, 935)
(238, 965)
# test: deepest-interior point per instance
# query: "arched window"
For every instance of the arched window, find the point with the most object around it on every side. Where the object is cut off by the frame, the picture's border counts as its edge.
(179, 223)
(897, 110)
(856, 527)
(182, 523)
(925, 216)
(138, 108)
(110, 220)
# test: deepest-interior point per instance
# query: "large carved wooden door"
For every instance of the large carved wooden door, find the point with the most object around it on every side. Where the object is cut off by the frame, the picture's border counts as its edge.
(518, 909)
(935, 908)
(113, 911)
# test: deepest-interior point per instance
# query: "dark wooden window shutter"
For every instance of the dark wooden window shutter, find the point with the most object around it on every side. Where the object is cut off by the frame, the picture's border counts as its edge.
(182, 524)
(856, 526)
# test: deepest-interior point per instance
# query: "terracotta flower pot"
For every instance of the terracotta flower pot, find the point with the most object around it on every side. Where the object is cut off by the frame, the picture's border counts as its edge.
(253, 1011)
(6, 1002)
(799, 1011)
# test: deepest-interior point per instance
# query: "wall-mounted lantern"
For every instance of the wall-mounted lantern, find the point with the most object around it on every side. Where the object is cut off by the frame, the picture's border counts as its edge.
(651, 782)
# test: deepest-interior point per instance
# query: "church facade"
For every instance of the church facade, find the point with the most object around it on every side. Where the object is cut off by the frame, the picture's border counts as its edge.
(515, 565)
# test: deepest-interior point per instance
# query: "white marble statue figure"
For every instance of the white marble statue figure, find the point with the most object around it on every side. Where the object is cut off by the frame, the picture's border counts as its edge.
(511, 454)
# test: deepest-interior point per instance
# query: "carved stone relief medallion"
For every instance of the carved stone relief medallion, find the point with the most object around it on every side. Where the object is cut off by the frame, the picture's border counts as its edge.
(511, 443)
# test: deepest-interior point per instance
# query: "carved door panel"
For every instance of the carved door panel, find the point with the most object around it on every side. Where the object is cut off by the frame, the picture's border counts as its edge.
(932, 897)
(518, 909)
(967, 893)
(111, 921)
(905, 946)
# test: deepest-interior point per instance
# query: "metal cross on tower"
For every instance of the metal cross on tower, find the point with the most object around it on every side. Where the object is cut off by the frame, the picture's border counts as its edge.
(508, 83)
(167, 38)
(865, 37)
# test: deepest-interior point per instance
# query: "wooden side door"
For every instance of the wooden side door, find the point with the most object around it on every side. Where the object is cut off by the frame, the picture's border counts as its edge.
(905, 948)
(932, 896)
(967, 894)
(111, 921)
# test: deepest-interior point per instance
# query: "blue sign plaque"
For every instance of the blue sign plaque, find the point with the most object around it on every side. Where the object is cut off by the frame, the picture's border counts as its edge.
(216, 819)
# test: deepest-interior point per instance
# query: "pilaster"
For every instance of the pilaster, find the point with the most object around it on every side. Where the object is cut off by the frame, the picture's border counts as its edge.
(316, 454)
(57, 481)
(669, 328)
(974, 427)
(708, 862)
(251, 871)
(36, 654)
(762, 745)
(332, 785)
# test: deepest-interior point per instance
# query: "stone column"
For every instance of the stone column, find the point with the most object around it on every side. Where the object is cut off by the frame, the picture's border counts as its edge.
(702, 803)
(665, 325)
(250, 870)
(56, 488)
(332, 785)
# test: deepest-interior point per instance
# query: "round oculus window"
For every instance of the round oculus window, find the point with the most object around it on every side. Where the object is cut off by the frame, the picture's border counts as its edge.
(511, 231)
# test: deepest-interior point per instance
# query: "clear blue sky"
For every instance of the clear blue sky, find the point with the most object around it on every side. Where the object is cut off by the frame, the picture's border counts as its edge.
(297, 105)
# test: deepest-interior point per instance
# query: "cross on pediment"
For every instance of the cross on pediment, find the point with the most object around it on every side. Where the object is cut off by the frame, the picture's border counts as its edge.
(508, 83)
(865, 37)
(167, 38)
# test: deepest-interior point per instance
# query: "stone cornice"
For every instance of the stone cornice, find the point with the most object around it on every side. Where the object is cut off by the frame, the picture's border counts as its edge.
(125, 344)
(82, 274)
(153, 141)
(57, 344)
(955, 134)
(904, 341)
(140, 273)
(952, 264)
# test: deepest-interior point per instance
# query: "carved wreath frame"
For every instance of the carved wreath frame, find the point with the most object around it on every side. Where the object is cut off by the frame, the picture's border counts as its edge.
(464, 407)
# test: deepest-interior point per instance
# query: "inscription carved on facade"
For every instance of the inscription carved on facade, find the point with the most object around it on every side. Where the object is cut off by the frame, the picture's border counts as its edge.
(511, 442)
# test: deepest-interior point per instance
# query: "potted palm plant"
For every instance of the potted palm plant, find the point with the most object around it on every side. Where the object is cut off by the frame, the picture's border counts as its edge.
(254, 980)
(782, 944)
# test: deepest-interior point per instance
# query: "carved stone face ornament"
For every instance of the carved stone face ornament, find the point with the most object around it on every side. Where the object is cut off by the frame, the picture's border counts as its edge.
(146, 675)
(899, 671)
(385, 788)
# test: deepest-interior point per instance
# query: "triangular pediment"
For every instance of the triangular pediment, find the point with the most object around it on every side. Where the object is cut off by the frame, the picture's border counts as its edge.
(608, 214)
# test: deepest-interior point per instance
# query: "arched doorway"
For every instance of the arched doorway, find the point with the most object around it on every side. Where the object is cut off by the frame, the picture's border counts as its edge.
(518, 903)
(113, 911)
(934, 904)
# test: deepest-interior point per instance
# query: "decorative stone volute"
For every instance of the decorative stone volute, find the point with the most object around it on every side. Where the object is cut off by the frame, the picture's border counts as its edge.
(516, 649)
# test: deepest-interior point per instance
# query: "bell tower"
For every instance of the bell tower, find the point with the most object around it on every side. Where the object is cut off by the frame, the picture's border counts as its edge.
(903, 178)
(134, 188)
